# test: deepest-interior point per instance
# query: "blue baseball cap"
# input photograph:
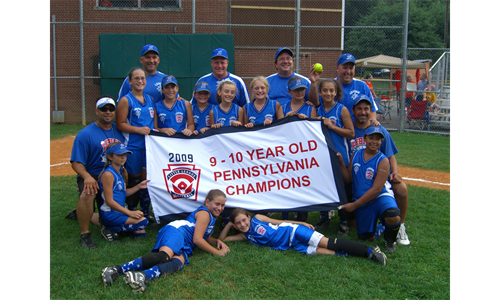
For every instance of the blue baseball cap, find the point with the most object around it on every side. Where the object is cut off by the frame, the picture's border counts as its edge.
(346, 58)
(297, 83)
(169, 79)
(374, 129)
(148, 48)
(220, 52)
(281, 50)
(201, 86)
(118, 149)
(360, 98)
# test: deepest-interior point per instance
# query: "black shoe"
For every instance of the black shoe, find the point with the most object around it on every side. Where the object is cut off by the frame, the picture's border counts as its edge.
(343, 230)
(86, 241)
(109, 235)
(152, 222)
(322, 223)
(109, 275)
(378, 256)
(71, 215)
(390, 247)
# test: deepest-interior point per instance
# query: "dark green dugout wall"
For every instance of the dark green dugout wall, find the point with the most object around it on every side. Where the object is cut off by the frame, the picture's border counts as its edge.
(186, 56)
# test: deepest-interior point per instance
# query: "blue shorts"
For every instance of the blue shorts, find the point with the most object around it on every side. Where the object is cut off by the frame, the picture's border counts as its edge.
(136, 161)
(368, 214)
(170, 237)
(112, 218)
(306, 240)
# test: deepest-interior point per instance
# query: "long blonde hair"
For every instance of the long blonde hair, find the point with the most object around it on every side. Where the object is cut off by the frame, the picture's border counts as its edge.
(108, 162)
(261, 79)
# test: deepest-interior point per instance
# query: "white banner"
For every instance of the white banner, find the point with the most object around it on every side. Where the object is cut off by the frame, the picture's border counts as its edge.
(287, 166)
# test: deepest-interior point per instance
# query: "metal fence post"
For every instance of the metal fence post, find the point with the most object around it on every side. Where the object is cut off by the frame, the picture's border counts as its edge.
(54, 59)
(403, 71)
(82, 69)
(297, 37)
(193, 16)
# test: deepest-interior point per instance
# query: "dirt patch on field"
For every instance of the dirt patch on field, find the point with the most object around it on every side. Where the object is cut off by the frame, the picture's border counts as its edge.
(60, 154)
(426, 178)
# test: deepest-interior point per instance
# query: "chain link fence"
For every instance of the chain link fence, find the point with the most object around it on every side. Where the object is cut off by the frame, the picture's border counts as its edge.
(316, 30)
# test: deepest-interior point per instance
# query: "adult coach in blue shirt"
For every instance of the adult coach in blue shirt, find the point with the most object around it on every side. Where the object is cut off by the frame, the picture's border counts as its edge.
(352, 87)
(150, 58)
(219, 62)
(87, 159)
(278, 82)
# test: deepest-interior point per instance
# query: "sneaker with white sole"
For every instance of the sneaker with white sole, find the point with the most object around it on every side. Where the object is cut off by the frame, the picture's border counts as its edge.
(109, 275)
(378, 256)
(402, 237)
(136, 281)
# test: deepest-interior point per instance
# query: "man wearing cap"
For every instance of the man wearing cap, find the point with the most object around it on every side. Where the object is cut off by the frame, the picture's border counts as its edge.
(149, 59)
(87, 159)
(352, 87)
(278, 82)
(361, 110)
(219, 62)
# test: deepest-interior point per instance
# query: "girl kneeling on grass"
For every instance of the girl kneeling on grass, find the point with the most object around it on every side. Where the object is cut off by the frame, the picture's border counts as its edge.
(282, 235)
(174, 244)
(114, 216)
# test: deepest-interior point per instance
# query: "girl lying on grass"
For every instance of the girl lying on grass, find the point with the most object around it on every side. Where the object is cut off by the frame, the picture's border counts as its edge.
(282, 235)
(174, 244)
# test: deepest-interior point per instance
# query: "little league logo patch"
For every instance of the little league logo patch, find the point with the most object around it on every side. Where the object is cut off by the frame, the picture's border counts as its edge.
(369, 173)
(182, 181)
(179, 117)
(260, 230)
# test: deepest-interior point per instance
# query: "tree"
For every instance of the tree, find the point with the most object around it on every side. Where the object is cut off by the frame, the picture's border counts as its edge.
(426, 27)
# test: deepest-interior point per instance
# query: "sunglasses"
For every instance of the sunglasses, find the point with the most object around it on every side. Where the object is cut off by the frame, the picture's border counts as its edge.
(105, 109)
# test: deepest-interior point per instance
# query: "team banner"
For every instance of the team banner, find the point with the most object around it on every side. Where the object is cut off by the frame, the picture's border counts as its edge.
(288, 166)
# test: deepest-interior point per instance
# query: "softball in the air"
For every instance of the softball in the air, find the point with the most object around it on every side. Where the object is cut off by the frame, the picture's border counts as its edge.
(318, 68)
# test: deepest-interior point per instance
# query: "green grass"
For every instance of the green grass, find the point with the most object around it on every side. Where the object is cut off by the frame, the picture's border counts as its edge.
(423, 151)
(57, 132)
(418, 271)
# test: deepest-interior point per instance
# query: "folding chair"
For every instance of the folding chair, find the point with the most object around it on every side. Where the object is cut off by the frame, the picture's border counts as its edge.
(383, 111)
(416, 115)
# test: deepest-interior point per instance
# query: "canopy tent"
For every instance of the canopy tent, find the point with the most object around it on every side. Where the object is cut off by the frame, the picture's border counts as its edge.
(385, 61)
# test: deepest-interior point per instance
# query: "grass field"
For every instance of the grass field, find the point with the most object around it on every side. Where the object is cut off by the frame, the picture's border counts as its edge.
(418, 271)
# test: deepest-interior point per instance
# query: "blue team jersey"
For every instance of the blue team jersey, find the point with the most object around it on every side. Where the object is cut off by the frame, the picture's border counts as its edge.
(186, 228)
(201, 118)
(225, 118)
(354, 89)
(278, 237)
(304, 109)
(139, 115)
(119, 190)
(241, 96)
(364, 173)
(175, 117)
(255, 116)
(152, 88)
(388, 147)
(89, 145)
(341, 143)
(278, 88)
